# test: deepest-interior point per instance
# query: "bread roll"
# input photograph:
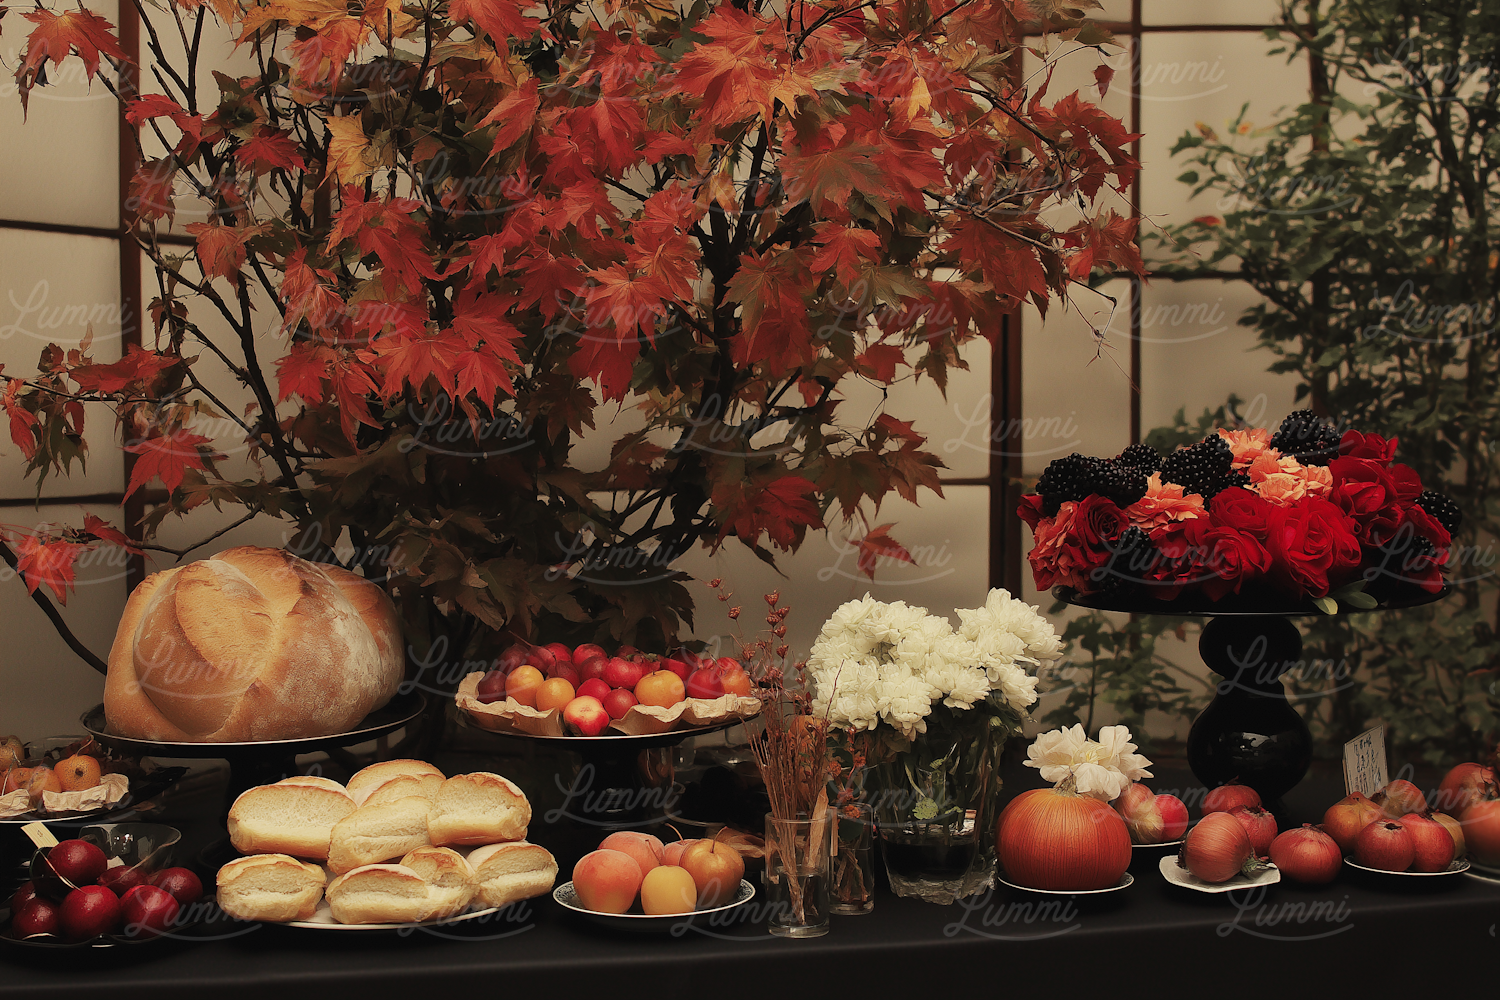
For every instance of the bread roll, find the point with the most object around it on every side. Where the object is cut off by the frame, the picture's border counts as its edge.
(270, 887)
(378, 894)
(478, 808)
(315, 781)
(251, 644)
(450, 880)
(290, 817)
(367, 780)
(406, 785)
(371, 834)
(513, 871)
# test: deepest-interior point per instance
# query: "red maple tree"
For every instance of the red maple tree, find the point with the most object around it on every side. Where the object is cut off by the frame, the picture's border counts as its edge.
(490, 223)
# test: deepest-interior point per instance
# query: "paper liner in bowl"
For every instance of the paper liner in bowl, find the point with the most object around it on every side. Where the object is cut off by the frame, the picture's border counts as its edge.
(510, 716)
(110, 790)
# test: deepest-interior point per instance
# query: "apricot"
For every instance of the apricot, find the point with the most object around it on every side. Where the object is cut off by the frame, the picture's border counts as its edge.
(644, 848)
(43, 779)
(662, 688)
(78, 772)
(607, 881)
(555, 692)
(668, 889)
(523, 683)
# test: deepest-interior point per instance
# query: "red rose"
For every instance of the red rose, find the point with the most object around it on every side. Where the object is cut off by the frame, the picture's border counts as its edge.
(1234, 558)
(1181, 551)
(1030, 509)
(1241, 509)
(1408, 483)
(1372, 446)
(1097, 524)
(1366, 491)
(1416, 553)
(1313, 547)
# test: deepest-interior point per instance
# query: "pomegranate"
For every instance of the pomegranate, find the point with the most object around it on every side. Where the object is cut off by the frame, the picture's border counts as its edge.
(1347, 817)
(1455, 830)
(1050, 838)
(1385, 845)
(1481, 823)
(1226, 797)
(1432, 846)
(1260, 827)
(1463, 786)
(1400, 797)
(1307, 855)
(148, 911)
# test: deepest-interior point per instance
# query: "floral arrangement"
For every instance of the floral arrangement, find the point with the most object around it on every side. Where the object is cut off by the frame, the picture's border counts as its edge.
(1100, 769)
(876, 662)
(1305, 513)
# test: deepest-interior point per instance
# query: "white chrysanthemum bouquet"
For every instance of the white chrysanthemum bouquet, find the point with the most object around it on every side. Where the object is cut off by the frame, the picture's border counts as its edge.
(877, 662)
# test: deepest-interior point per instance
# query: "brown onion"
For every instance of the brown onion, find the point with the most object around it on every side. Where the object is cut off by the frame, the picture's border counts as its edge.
(1218, 849)
(1307, 855)
(1059, 840)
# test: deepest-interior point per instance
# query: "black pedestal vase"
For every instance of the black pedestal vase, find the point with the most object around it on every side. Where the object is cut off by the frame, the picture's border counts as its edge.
(1249, 733)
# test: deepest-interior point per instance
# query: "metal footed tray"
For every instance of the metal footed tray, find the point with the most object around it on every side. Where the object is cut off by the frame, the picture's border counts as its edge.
(1199, 606)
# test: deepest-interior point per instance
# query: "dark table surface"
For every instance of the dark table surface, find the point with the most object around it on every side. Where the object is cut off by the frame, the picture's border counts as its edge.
(1384, 932)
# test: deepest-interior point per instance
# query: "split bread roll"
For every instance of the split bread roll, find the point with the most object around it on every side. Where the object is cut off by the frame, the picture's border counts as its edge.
(270, 887)
(379, 894)
(252, 644)
(376, 833)
(405, 786)
(296, 816)
(367, 781)
(478, 808)
(510, 872)
(450, 880)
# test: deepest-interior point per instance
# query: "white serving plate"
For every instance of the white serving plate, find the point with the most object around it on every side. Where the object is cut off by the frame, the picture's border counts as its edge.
(1178, 875)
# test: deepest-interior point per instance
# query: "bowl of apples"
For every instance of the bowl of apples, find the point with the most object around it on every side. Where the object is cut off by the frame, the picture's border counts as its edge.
(634, 882)
(555, 691)
(111, 885)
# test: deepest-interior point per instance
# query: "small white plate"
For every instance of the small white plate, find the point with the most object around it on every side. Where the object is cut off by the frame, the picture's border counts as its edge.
(1126, 881)
(1177, 875)
(1454, 868)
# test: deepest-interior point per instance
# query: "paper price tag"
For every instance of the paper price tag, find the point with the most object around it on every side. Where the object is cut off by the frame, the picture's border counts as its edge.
(1364, 762)
(39, 834)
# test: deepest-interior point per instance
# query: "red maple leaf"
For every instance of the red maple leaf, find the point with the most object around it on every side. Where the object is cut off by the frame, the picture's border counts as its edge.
(106, 532)
(516, 113)
(270, 149)
(841, 247)
(151, 190)
(387, 230)
(500, 19)
(877, 545)
(23, 423)
(550, 283)
(880, 361)
(1107, 242)
(149, 106)
(137, 368)
(1009, 265)
(306, 295)
(731, 74)
(784, 509)
(221, 249)
(413, 360)
(55, 35)
(50, 563)
(302, 370)
(632, 304)
(773, 315)
(608, 362)
(168, 456)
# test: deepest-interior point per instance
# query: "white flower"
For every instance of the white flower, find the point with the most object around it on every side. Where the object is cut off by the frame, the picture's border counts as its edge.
(1102, 769)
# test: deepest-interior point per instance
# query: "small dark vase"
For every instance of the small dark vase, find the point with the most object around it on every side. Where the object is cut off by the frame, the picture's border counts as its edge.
(1249, 733)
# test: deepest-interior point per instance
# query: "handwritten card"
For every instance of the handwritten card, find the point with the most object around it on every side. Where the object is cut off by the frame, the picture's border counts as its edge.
(1364, 762)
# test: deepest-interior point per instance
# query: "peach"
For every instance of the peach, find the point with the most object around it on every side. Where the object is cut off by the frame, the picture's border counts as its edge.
(607, 881)
(523, 684)
(662, 688)
(586, 715)
(553, 693)
(668, 889)
(644, 848)
(43, 779)
(735, 681)
(671, 854)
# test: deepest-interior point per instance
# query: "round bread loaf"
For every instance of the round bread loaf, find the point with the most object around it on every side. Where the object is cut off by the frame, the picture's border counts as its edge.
(252, 644)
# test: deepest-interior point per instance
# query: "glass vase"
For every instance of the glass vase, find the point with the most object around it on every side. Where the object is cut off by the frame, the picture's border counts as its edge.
(796, 876)
(935, 806)
(852, 867)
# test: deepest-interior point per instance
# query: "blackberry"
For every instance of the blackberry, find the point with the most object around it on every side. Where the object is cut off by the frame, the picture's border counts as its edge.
(1199, 468)
(1308, 438)
(1140, 456)
(1442, 508)
(1233, 479)
(1078, 476)
(1130, 557)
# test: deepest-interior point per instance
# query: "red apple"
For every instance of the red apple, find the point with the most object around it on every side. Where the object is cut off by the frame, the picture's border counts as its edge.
(565, 671)
(90, 912)
(1432, 846)
(1399, 798)
(1347, 817)
(1174, 815)
(121, 879)
(1385, 845)
(147, 911)
(618, 702)
(1259, 825)
(184, 886)
(591, 669)
(491, 687)
(511, 657)
(1463, 786)
(705, 684)
(1226, 797)
(727, 663)
(586, 715)
(594, 687)
(78, 861)
(560, 652)
(585, 651)
(676, 666)
(620, 673)
(38, 916)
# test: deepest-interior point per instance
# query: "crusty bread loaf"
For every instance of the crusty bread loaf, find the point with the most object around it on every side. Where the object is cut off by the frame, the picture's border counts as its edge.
(315, 781)
(478, 808)
(270, 887)
(365, 781)
(450, 880)
(372, 834)
(379, 894)
(509, 872)
(405, 785)
(251, 644)
(294, 816)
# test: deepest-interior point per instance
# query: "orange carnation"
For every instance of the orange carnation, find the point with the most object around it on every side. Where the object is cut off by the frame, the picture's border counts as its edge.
(1163, 504)
(1248, 445)
(1284, 481)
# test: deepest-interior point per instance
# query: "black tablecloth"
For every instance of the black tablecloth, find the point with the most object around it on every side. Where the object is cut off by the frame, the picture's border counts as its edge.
(1362, 932)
